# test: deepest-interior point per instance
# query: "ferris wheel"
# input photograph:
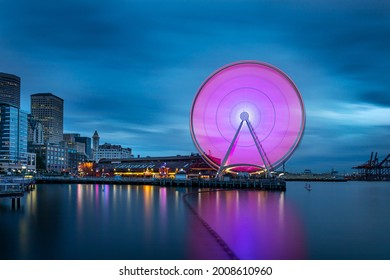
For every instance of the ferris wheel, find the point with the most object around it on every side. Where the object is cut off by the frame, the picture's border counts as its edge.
(247, 116)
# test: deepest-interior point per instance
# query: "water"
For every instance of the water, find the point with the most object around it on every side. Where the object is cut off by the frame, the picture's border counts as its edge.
(333, 221)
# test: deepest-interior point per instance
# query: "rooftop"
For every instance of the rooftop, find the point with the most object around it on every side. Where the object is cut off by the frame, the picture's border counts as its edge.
(46, 94)
(9, 75)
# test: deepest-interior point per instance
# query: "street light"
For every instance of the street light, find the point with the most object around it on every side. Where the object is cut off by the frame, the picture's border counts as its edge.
(23, 173)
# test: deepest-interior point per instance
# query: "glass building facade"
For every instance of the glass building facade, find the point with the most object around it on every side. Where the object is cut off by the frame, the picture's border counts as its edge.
(13, 137)
(10, 89)
(48, 109)
(23, 135)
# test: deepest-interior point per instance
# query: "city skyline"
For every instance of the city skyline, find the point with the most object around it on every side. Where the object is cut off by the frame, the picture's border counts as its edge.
(131, 70)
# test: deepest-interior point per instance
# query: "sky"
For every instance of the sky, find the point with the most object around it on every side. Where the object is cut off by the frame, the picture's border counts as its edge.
(131, 69)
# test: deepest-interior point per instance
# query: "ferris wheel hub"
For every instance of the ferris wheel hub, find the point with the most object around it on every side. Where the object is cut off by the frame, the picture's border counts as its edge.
(244, 116)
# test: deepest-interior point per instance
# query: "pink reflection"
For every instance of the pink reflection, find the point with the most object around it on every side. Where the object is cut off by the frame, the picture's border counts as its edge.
(97, 191)
(163, 219)
(163, 200)
(254, 224)
(106, 193)
(275, 111)
(79, 199)
(163, 206)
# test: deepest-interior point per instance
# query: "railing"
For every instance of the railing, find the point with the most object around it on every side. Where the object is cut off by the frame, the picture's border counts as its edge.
(10, 190)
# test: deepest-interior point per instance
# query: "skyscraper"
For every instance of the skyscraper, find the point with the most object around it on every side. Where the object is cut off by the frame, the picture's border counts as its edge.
(10, 89)
(13, 125)
(35, 131)
(49, 110)
(87, 143)
(13, 138)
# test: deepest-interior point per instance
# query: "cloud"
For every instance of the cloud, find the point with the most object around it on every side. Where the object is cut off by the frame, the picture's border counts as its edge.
(357, 115)
(379, 98)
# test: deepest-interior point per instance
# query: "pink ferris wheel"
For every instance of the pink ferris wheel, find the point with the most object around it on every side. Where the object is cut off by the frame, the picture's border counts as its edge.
(247, 116)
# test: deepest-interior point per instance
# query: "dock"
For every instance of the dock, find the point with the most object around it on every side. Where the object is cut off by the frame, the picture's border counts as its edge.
(14, 189)
(264, 184)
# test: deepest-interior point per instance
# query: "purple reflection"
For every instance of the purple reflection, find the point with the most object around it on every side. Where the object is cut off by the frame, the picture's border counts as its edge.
(163, 209)
(97, 191)
(275, 110)
(254, 224)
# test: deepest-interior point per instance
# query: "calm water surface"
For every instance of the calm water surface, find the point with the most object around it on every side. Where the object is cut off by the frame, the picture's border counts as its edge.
(333, 221)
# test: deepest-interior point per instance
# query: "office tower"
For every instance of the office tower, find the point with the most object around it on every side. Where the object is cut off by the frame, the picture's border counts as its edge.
(50, 157)
(75, 158)
(10, 89)
(49, 110)
(35, 131)
(13, 138)
(31, 162)
(70, 137)
(70, 141)
(87, 142)
(77, 150)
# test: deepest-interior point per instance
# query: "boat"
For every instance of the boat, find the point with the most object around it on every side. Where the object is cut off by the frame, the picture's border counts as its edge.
(308, 187)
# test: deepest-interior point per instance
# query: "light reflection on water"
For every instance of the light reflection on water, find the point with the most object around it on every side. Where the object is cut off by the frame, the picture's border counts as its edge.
(334, 221)
(255, 224)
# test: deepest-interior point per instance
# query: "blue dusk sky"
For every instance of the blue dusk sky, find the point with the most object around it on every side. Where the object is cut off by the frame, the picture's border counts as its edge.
(130, 69)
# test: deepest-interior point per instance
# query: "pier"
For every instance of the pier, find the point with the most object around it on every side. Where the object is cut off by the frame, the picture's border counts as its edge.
(14, 188)
(264, 184)
(12, 191)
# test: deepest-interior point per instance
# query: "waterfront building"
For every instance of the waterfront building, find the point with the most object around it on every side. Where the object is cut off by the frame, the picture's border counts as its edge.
(35, 131)
(192, 166)
(10, 89)
(74, 160)
(90, 169)
(13, 138)
(70, 142)
(50, 157)
(181, 175)
(81, 143)
(77, 146)
(49, 110)
(109, 151)
(76, 151)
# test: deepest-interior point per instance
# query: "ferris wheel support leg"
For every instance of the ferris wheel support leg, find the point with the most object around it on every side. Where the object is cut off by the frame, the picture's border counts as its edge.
(260, 149)
(232, 144)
